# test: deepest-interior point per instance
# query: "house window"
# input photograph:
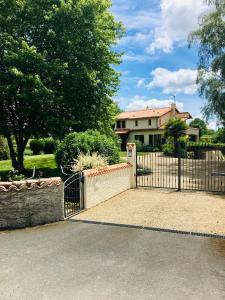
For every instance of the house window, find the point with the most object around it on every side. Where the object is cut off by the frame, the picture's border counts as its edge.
(136, 123)
(121, 124)
(139, 138)
(151, 140)
(150, 122)
(155, 139)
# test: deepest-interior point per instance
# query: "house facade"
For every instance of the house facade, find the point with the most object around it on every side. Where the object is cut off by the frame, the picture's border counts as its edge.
(148, 125)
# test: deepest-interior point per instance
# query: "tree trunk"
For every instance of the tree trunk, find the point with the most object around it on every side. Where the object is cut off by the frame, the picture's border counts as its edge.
(17, 158)
(12, 152)
(20, 158)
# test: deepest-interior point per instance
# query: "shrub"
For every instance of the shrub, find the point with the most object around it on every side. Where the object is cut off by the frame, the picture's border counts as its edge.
(138, 144)
(171, 148)
(4, 150)
(88, 161)
(168, 149)
(14, 175)
(36, 146)
(87, 142)
(148, 148)
(49, 145)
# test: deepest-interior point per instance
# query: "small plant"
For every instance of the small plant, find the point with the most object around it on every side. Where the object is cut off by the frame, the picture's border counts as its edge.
(36, 146)
(14, 175)
(4, 150)
(89, 161)
(49, 145)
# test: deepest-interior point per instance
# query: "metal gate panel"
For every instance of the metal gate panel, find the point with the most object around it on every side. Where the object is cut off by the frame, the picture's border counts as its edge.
(73, 194)
(202, 169)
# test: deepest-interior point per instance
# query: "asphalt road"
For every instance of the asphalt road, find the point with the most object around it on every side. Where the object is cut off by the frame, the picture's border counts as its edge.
(85, 261)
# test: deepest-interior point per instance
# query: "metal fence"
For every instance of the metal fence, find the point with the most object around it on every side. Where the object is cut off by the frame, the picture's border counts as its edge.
(73, 194)
(200, 168)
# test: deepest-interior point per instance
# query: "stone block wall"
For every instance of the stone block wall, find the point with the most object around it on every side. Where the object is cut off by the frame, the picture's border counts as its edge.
(30, 203)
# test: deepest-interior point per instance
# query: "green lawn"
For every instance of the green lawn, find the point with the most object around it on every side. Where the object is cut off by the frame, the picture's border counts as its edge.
(123, 154)
(44, 163)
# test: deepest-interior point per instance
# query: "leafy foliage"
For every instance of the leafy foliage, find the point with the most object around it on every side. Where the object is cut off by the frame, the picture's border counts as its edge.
(175, 128)
(49, 145)
(4, 150)
(90, 141)
(211, 75)
(219, 136)
(56, 69)
(36, 146)
(198, 123)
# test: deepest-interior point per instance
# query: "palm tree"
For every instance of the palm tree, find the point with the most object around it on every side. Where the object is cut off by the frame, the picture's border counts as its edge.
(175, 128)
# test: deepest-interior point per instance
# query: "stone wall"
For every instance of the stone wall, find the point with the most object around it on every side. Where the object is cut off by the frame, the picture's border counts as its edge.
(30, 203)
(102, 184)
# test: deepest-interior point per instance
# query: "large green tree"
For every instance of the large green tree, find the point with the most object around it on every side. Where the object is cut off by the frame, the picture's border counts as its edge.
(56, 69)
(201, 125)
(210, 38)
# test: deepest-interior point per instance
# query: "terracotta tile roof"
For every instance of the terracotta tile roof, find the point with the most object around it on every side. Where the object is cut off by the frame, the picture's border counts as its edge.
(107, 169)
(145, 113)
(184, 116)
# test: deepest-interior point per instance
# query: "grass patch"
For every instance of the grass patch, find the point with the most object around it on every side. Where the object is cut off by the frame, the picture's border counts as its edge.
(123, 154)
(44, 163)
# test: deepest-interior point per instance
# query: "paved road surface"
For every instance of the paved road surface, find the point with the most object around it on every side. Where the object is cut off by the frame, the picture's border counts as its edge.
(85, 261)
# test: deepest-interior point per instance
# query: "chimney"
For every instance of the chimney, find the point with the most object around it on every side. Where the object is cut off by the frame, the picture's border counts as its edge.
(173, 109)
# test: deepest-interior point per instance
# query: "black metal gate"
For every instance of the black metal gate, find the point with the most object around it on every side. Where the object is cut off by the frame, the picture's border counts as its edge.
(73, 194)
(194, 167)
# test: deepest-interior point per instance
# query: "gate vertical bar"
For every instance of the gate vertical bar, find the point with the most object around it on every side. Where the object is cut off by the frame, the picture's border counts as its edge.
(179, 165)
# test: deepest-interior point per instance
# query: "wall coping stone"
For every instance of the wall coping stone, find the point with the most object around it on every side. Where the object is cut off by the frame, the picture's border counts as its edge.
(107, 169)
(29, 184)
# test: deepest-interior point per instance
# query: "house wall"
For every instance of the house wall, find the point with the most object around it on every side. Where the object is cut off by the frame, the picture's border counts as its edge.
(142, 124)
(165, 118)
(102, 184)
(31, 203)
(146, 134)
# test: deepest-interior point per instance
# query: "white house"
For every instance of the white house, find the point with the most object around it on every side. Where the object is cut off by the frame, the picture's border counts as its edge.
(148, 125)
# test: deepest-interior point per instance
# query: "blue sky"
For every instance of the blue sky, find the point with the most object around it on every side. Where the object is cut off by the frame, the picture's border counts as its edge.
(157, 62)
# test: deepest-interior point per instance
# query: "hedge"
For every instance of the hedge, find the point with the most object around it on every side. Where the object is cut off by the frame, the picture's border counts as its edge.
(87, 142)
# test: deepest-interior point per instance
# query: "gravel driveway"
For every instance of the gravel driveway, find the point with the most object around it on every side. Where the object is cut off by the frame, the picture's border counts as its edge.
(189, 211)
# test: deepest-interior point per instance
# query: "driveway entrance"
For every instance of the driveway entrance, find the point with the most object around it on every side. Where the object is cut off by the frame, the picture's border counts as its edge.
(73, 261)
(167, 209)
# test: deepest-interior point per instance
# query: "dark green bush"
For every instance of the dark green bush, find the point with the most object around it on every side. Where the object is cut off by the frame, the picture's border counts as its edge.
(49, 145)
(199, 148)
(168, 149)
(139, 145)
(87, 142)
(36, 146)
(171, 149)
(4, 150)
(148, 148)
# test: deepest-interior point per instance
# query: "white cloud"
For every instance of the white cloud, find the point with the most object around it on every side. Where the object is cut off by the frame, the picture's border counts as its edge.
(140, 83)
(133, 57)
(178, 19)
(140, 102)
(180, 81)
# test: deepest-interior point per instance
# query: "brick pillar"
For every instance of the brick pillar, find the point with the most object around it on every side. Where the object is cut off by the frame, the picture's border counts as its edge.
(131, 158)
